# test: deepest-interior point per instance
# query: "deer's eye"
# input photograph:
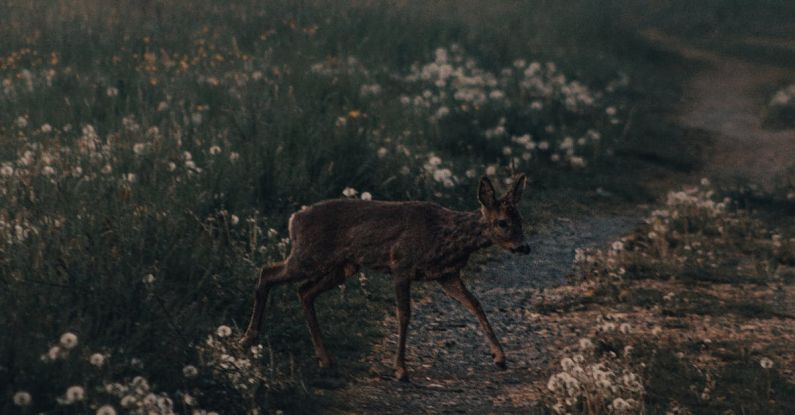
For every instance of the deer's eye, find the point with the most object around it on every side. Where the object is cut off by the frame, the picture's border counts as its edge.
(502, 224)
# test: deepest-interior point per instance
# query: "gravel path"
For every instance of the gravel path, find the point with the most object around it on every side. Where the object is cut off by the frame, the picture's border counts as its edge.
(448, 359)
(725, 100)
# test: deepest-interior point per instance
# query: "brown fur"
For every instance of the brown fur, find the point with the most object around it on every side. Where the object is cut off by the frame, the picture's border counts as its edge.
(412, 241)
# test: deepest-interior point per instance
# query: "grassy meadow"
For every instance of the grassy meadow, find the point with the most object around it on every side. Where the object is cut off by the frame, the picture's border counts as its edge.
(151, 152)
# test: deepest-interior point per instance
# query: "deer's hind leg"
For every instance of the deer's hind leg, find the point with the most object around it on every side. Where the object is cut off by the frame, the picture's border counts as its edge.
(403, 296)
(270, 276)
(307, 293)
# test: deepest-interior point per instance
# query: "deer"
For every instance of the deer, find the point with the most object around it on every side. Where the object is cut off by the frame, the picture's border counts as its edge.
(413, 241)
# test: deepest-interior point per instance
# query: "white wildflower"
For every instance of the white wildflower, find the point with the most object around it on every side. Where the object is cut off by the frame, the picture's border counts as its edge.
(148, 279)
(189, 400)
(766, 363)
(74, 394)
(54, 353)
(577, 161)
(106, 410)
(22, 398)
(190, 371)
(586, 344)
(68, 340)
(196, 118)
(97, 359)
(621, 405)
(223, 331)
(367, 196)
(349, 192)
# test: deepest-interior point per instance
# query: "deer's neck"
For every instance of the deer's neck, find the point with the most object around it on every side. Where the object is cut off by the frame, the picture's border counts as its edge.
(466, 234)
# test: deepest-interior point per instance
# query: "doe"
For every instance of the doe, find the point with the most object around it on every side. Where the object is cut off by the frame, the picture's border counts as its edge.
(412, 241)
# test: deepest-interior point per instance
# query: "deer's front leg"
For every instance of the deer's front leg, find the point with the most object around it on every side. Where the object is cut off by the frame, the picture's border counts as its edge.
(403, 294)
(455, 289)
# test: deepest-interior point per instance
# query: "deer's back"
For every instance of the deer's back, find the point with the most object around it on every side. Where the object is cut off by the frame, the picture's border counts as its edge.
(367, 233)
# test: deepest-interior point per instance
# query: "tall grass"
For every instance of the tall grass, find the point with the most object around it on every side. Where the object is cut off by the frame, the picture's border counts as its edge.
(152, 150)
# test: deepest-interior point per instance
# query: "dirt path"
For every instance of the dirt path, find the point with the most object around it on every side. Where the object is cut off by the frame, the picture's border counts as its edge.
(449, 360)
(725, 100)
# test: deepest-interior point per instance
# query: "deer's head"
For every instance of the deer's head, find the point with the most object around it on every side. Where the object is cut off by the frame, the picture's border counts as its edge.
(504, 224)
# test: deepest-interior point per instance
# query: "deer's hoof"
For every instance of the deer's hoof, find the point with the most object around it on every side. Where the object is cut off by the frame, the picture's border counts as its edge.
(248, 340)
(323, 363)
(402, 374)
(499, 360)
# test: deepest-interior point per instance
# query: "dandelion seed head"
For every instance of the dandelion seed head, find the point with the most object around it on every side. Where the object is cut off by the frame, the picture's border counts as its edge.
(74, 394)
(68, 340)
(190, 371)
(189, 400)
(97, 359)
(106, 410)
(22, 398)
(766, 363)
(148, 279)
(54, 353)
(223, 331)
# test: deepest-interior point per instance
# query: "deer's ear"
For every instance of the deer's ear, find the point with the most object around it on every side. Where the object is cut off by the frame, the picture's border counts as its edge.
(486, 194)
(519, 184)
